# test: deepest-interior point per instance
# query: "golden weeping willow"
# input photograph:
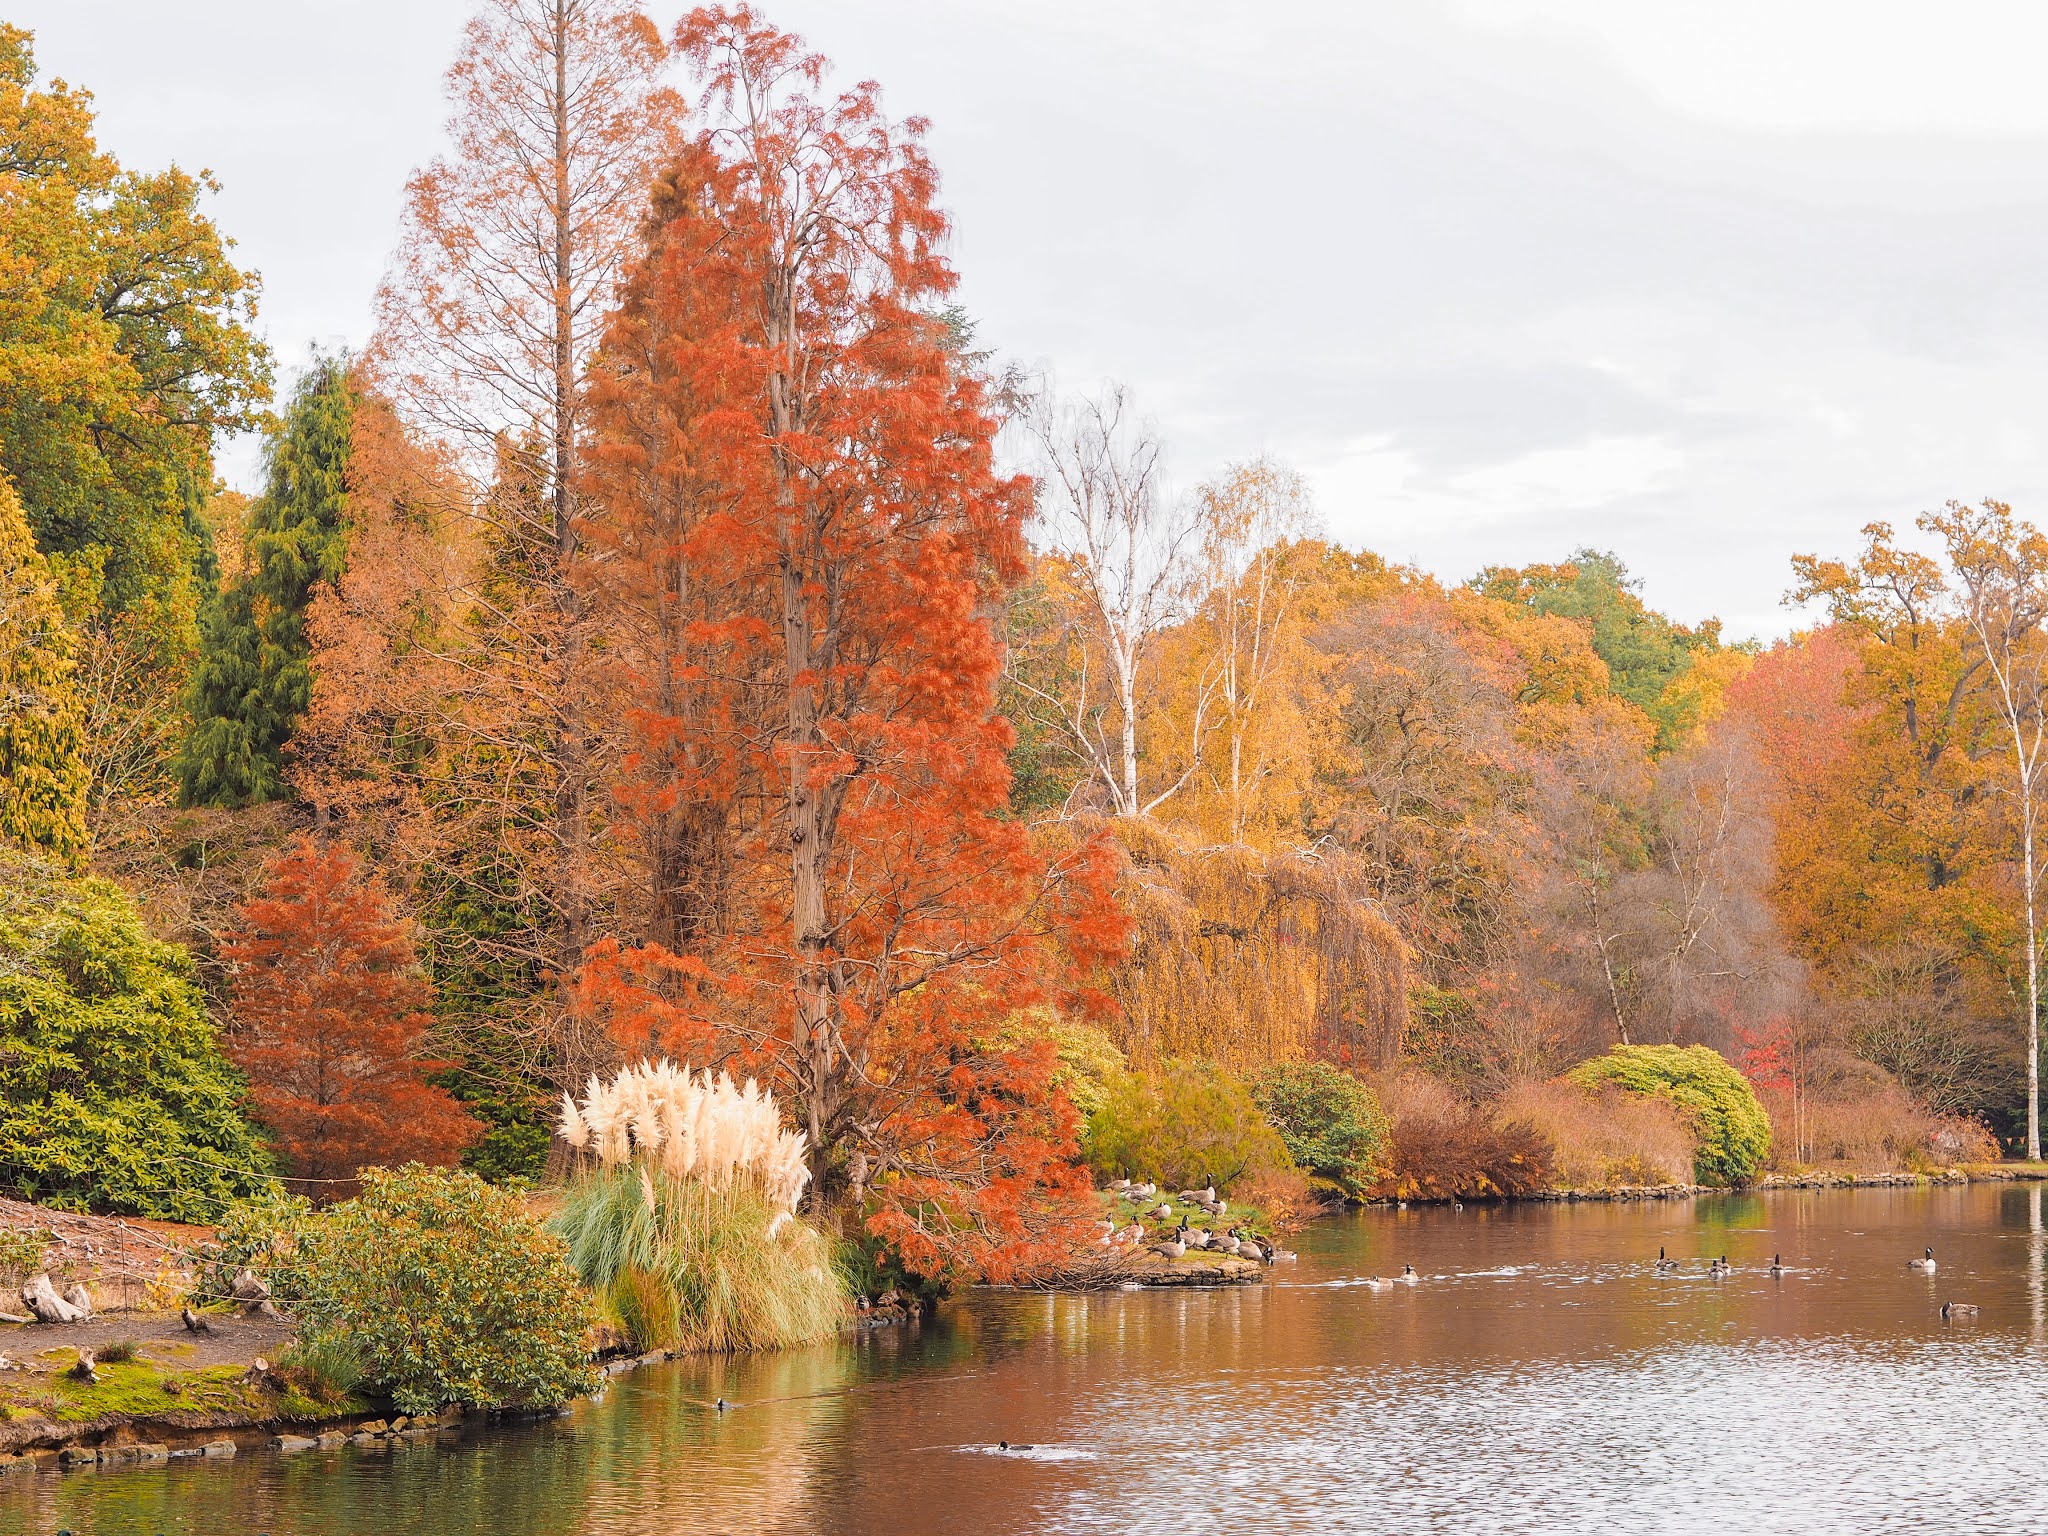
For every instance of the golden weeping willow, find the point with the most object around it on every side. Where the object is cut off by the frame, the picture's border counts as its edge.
(1248, 958)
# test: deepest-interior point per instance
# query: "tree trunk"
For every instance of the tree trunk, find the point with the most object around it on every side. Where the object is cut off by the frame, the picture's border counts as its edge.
(570, 747)
(2033, 976)
(814, 1028)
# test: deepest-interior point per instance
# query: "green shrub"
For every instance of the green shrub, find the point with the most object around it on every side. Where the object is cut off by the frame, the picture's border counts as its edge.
(261, 1236)
(448, 1291)
(1734, 1132)
(114, 1094)
(21, 1252)
(737, 1275)
(1332, 1123)
(1087, 1060)
(1191, 1123)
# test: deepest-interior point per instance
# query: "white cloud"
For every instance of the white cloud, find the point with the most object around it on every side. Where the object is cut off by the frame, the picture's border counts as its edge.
(1704, 284)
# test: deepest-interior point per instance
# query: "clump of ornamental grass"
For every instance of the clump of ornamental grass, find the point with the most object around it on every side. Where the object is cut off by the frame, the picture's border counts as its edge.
(683, 1217)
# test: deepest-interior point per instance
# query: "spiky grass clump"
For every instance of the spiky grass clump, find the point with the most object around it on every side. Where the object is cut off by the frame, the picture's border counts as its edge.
(323, 1367)
(685, 1264)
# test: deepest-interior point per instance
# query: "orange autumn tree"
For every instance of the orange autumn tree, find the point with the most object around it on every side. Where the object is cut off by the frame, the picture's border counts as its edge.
(804, 540)
(328, 1000)
(510, 251)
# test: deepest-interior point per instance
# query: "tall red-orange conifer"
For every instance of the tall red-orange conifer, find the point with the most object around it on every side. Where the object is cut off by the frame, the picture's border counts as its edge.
(327, 1002)
(801, 512)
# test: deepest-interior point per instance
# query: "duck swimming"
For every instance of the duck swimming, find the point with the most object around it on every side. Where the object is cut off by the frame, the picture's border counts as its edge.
(1924, 1265)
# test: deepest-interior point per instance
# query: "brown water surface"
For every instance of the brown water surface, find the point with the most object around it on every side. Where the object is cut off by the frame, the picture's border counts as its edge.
(1542, 1377)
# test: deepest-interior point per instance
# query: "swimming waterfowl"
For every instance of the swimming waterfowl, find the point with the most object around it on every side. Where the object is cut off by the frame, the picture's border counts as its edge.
(1004, 1445)
(1664, 1265)
(1720, 1267)
(1777, 1266)
(1924, 1265)
(1377, 1284)
(1951, 1309)
(1408, 1275)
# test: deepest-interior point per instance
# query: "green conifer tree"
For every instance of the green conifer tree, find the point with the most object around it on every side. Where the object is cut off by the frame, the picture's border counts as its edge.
(254, 679)
(43, 775)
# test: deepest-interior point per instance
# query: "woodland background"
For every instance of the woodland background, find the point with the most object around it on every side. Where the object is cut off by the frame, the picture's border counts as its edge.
(675, 634)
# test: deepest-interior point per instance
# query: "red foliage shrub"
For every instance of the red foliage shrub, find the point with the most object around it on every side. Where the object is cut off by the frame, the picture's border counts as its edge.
(1444, 1149)
(327, 1004)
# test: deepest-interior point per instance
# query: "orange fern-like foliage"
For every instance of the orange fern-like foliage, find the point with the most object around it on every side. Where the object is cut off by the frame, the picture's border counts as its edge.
(328, 1008)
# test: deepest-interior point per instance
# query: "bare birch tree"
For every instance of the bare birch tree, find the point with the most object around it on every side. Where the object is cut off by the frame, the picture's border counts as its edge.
(1250, 515)
(2001, 574)
(1135, 553)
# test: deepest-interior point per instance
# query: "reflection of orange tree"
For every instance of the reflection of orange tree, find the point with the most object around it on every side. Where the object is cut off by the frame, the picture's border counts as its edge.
(755, 1467)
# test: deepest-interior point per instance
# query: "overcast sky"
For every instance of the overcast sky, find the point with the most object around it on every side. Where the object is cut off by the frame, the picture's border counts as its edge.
(1703, 284)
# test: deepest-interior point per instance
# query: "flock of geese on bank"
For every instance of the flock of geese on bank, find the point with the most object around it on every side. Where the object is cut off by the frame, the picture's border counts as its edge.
(1234, 1243)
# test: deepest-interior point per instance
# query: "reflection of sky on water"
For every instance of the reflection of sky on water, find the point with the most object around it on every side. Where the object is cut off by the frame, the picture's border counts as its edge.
(1541, 1378)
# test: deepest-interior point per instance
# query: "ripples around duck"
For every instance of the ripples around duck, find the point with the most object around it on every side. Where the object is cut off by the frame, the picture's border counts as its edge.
(1542, 1377)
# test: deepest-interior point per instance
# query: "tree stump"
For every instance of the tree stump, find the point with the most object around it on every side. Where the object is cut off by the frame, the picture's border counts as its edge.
(41, 1298)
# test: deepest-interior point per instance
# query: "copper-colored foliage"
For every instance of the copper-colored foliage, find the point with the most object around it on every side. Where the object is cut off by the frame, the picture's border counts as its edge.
(328, 1016)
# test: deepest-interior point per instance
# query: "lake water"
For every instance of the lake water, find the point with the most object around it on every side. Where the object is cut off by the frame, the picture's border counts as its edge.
(1542, 1378)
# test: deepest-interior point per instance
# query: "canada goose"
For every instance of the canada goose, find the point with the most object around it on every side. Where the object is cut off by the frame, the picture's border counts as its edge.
(1408, 1275)
(1160, 1212)
(1777, 1265)
(1951, 1309)
(1457, 1205)
(721, 1405)
(1284, 1255)
(1925, 1266)
(1377, 1284)
(1173, 1248)
(1664, 1265)
(1720, 1267)
(1004, 1445)
(1119, 1183)
(1195, 1237)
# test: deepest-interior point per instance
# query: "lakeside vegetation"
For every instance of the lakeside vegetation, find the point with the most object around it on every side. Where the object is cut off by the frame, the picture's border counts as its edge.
(639, 670)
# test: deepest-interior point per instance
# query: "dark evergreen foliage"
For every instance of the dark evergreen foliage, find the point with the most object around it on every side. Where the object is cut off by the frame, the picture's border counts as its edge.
(254, 679)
